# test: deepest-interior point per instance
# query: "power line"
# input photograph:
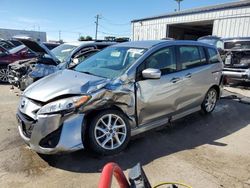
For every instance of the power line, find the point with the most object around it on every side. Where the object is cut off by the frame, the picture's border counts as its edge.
(108, 30)
(115, 24)
(113, 34)
(83, 27)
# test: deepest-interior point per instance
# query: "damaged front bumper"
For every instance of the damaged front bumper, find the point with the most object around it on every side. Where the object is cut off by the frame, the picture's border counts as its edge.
(236, 73)
(52, 134)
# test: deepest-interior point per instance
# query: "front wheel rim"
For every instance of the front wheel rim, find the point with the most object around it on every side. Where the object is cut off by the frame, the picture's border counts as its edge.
(210, 101)
(110, 131)
(3, 75)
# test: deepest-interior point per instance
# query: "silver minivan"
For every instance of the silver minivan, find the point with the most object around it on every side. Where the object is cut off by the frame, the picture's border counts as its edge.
(117, 93)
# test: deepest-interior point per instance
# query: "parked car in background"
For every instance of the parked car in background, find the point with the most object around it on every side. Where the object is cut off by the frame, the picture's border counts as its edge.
(123, 90)
(23, 73)
(213, 40)
(9, 56)
(6, 44)
(51, 45)
(237, 61)
(15, 42)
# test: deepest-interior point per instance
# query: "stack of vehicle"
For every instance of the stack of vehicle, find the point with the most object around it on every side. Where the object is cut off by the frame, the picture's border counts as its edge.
(12, 55)
(12, 51)
(235, 53)
(23, 73)
(237, 61)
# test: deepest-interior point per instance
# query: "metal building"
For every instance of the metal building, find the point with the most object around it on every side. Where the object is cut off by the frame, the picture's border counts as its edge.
(223, 20)
(9, 33)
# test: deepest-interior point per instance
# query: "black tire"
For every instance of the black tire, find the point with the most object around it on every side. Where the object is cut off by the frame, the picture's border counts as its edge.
(97, 137)
(210, 100)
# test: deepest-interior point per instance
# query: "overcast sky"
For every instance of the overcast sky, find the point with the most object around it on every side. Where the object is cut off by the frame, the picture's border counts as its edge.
(77, 17)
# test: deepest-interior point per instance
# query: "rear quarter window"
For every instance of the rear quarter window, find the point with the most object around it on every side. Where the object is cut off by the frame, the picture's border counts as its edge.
(190, 57)
(213, 56)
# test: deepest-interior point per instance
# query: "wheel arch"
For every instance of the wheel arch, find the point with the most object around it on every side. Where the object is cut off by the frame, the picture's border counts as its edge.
(91, 114)
(217, 88)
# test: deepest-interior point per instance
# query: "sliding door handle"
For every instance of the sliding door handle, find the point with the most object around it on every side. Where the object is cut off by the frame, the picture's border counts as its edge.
(188, 75)
(175, 79)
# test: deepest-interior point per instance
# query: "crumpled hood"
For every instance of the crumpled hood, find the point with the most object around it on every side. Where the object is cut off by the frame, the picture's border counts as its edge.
(65, 82)
(22, 63)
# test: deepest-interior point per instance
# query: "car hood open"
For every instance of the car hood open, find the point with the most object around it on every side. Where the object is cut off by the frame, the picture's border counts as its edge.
(36, 46)
(64, 83)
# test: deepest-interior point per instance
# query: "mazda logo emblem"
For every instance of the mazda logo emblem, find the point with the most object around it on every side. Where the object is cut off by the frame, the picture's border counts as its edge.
(23, 103)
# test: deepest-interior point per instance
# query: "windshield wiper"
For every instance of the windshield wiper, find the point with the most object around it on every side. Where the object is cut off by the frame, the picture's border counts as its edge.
(90, 73)
(86, 72)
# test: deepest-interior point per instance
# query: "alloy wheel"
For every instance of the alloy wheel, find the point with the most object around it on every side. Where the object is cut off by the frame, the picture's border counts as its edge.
(110, 131)
(210, 100)
(3, 75)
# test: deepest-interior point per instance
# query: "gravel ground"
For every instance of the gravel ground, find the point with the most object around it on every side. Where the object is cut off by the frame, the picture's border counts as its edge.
(202, 151)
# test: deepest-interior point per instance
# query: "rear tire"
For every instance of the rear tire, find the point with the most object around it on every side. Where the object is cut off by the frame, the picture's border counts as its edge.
(109, 132)
(210, 101)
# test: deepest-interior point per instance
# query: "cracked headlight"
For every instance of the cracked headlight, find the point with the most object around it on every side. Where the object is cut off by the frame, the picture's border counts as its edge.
(67, 105)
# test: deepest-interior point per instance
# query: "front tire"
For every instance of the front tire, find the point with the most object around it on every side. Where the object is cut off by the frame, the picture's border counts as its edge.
(3, 75)
(210, 101)
(109, 132)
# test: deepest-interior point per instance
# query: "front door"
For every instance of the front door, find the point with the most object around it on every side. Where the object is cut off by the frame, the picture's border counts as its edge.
(156, 98)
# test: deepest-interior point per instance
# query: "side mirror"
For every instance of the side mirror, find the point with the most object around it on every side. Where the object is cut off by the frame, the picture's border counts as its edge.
(73, 63)
(151, 73)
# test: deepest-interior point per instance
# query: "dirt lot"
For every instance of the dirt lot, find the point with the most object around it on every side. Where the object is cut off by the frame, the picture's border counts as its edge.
(202, 151)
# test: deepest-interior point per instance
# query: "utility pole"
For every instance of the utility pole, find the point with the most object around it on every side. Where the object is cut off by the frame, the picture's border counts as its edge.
(179, 4)
(96, 25)
(59, 33)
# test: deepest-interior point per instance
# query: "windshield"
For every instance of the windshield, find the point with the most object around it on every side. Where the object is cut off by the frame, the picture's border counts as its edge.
(6, 45)
(17, 49)
(237, 45)
(63, 51)
(111, 62)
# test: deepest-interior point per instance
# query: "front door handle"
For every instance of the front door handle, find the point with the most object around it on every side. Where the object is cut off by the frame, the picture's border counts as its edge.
(175, 79)
(188, 75)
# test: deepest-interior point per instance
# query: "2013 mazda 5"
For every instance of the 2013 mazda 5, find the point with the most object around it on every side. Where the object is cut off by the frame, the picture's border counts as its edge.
(117, 93)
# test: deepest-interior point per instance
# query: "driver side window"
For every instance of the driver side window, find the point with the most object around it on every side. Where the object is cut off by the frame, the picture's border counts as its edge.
(163, 59)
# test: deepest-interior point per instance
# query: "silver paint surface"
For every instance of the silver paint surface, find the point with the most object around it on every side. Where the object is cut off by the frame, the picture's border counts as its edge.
(46, 124)
(146, 103)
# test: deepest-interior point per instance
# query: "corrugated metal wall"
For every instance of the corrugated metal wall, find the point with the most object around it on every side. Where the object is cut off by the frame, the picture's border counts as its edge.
(227, 23)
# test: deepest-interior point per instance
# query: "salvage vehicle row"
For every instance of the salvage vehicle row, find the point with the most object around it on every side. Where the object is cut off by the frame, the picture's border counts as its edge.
(23, 73)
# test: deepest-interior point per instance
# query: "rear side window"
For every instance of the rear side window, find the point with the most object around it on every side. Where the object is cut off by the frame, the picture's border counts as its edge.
(190, 57)
(203, 55)
(213, 56)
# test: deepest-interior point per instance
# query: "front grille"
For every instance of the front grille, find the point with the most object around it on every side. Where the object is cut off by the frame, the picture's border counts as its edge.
(26, 123)
(27, 129)
(26, 117)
